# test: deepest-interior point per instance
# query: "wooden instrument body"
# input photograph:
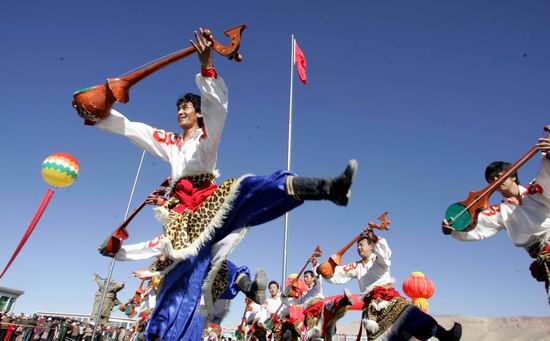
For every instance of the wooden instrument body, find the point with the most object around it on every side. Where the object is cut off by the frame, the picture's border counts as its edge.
(327, 268)
(95, 102)
(467, 220)
(113, 243)
(463, 216)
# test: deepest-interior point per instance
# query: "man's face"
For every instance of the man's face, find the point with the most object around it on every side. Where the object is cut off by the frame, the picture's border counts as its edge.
(273, 289)
(508, 188)
(308, 279)
(364, 249)
(187, 116)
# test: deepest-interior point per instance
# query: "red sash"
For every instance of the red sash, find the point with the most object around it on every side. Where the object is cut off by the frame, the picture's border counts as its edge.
(191, 197)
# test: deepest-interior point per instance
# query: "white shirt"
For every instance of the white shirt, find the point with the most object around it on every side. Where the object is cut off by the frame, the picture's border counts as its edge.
(526, 224)
(271, 305)
(198, 154)
(315, 292)
(252, 313)
(374, 272)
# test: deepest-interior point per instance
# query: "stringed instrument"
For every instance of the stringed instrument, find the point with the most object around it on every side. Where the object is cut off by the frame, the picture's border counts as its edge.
(269, 323)
(327, 268)
(138, 295)
(113, 243)
(462, 216)
(94, 103)
(240, 334)
(292, 290)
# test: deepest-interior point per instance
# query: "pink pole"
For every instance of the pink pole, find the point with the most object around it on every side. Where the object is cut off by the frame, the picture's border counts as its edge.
(35, 219)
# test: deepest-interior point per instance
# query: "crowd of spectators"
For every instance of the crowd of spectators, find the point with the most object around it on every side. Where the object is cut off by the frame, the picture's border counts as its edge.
(34, 328)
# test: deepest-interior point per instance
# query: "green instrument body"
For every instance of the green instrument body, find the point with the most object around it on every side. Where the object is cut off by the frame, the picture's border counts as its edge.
(462, 222)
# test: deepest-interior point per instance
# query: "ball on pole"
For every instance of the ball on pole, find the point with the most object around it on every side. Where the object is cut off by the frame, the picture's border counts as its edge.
(60, 169)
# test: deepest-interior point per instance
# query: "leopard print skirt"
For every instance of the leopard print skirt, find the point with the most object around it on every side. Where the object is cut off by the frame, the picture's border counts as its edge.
(182, 230)
(385, 317)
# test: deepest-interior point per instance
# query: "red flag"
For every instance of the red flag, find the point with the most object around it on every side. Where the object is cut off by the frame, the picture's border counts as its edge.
(301, 63)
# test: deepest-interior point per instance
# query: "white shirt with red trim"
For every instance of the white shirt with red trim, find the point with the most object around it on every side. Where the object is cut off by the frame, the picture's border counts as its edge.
(196, 155)
(372, 273)
(527, 223)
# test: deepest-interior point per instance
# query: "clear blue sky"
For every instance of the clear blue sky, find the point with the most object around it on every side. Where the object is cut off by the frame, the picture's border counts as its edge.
(424, 94)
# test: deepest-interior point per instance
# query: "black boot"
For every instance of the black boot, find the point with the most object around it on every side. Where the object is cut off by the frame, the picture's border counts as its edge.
(347, 299)
(453, 334)
(335, 189)
(255, 290)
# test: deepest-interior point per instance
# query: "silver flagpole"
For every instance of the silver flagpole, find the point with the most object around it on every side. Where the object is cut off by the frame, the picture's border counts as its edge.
(106, 287)
(289, 153)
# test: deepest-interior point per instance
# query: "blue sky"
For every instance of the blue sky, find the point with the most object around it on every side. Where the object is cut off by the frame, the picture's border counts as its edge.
(423, 94)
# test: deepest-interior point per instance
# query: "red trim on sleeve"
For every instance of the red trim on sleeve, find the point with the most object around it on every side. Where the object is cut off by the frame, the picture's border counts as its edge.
(209, 72)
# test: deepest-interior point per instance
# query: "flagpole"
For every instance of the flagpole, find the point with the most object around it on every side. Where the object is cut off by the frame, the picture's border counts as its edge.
(289, 153)
(113, 261)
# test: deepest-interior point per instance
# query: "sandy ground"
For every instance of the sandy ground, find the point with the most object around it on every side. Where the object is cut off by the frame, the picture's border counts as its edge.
(486, 329)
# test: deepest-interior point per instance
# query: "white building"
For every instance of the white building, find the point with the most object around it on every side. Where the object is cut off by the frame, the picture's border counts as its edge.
(8, 297)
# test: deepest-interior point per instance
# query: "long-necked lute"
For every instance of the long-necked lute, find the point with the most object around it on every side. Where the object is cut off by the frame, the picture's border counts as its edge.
(462, 216)
(113, 243)
(291, 290)
(327, 268)
(94, 103)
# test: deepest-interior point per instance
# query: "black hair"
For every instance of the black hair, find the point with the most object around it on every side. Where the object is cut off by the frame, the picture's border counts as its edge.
(309, 272)
(497, 167)
(195, 100)
(273, 282)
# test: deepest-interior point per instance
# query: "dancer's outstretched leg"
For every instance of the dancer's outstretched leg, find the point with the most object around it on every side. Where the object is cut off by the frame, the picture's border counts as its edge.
(335, 189)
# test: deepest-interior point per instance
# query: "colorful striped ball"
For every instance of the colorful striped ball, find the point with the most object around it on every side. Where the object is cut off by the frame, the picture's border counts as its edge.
(60, 169)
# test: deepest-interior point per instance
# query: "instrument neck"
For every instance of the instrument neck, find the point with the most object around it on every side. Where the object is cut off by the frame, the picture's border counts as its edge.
(138, 75)
(348, 245)
(511, 170)
(297, 278)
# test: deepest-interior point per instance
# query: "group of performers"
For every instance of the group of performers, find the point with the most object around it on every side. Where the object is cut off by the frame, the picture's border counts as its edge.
(203, 222)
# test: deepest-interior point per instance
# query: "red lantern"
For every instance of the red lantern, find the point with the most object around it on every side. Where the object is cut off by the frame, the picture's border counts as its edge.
(419, 288)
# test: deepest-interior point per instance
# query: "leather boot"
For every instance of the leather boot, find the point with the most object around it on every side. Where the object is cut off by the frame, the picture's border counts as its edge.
(335, 189)
(347, 299)
(255, 290)
(453, 334)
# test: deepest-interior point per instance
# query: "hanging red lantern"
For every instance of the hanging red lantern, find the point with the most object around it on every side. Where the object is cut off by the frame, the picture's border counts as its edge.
(419, 288)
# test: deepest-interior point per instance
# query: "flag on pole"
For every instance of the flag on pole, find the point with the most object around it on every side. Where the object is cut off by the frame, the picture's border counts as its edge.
(300, 62)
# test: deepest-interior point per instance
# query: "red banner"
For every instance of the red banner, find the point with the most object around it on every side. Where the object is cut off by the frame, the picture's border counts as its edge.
(35, 219)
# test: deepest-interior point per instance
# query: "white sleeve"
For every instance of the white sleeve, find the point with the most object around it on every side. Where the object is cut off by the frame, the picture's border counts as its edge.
(155, 141)
(213, 106)
(489, 222)
(343, 274)
(291, 300)
(141, 251)
(263, 314)
(543, 178)
(383, 252)
(316, 290)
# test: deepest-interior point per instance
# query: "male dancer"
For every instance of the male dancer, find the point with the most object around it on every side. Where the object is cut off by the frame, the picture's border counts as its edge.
(524, 213)
(204, 222)
(386, 314)
(311, 300)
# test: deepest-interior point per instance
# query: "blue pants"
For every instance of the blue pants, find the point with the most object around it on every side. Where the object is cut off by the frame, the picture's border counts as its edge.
(260, 199)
